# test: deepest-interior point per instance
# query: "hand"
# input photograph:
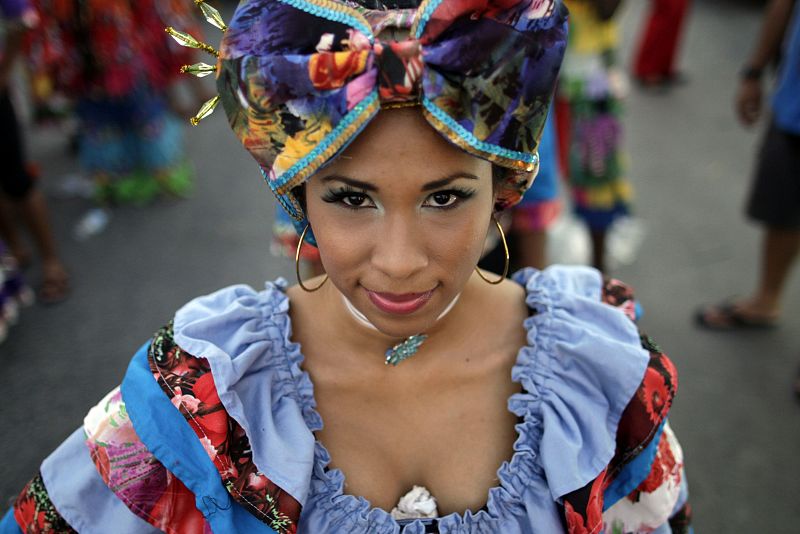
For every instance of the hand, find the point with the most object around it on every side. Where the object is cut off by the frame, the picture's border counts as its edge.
(748, 101)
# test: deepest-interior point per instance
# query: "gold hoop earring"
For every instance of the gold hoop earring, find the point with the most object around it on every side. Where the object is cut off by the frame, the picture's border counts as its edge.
(505, 249)
(297, 263)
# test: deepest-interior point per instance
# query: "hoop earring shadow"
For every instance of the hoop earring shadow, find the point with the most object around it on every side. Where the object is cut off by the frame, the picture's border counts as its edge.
(297, 264)
(505, 250)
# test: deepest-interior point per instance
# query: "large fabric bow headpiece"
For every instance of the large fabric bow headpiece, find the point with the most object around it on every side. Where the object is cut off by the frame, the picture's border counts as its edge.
(299, 79)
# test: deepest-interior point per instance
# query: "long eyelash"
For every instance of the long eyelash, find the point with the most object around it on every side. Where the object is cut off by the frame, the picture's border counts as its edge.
(337, 195)
(459, 193)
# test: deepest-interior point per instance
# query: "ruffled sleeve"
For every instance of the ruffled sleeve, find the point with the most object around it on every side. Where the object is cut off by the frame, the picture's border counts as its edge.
(639, 483)
(244, 336)
(583, 364)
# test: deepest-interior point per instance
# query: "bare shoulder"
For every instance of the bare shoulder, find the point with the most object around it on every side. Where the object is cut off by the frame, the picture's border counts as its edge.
(497, 312)
(501, 302)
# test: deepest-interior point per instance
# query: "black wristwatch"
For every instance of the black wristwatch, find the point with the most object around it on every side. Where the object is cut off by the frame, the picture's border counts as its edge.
(751, 73)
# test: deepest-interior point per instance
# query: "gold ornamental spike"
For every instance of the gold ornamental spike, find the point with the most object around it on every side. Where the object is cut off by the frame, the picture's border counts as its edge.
(184, 39)
(212, 15)
(200, 70)
(205, 110)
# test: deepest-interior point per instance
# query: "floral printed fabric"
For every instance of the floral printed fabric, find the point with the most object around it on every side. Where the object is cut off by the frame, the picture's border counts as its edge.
(36, 512)
(647, 454)
(189, 384)
(150, 490)
(650, 505)
(300, 78)
(134, 474)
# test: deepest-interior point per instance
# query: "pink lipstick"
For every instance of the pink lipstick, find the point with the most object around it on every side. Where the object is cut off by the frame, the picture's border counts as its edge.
(400, 304)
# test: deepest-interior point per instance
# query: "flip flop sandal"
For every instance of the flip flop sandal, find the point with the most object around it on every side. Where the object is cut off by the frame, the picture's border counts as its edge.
(728, 317)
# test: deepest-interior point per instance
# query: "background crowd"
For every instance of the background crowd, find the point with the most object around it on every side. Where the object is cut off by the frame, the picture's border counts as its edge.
(114, 212)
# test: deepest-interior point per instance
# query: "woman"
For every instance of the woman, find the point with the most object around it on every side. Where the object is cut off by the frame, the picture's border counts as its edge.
(423, 373)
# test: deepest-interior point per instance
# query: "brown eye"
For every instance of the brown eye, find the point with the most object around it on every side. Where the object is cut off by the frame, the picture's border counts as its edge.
(441, 199)
(355, 200)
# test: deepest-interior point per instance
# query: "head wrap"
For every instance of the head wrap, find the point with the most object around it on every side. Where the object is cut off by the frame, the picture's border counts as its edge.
(299, 79)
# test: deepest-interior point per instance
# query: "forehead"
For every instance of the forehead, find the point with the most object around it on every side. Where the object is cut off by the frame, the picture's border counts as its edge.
(400, 145)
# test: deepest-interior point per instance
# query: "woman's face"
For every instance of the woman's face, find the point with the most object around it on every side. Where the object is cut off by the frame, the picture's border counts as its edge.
(400, 219)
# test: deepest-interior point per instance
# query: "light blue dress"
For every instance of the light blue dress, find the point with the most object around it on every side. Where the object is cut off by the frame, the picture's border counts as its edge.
(582, 366)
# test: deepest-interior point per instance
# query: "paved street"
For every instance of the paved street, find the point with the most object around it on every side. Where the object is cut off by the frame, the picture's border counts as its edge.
(690, 163)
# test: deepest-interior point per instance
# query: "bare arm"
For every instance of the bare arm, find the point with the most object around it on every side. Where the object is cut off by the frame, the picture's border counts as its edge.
(773, 28)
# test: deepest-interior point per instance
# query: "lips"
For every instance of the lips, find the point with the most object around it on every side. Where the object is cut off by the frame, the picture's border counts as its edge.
(399, 304)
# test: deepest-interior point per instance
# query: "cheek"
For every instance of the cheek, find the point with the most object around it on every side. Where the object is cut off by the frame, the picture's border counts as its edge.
(342, 241)
(456, 244)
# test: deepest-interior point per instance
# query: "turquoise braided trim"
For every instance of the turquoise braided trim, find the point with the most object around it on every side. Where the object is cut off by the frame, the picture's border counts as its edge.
(332, 137)
(332, 14)
(473, 141)
(424, 16)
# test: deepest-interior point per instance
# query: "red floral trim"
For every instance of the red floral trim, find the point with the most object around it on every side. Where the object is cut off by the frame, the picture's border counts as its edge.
(35, 512)
(583, 509)
(641, 419)
(188, 382)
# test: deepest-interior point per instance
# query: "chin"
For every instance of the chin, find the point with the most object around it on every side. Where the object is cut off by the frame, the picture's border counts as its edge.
(400, 325)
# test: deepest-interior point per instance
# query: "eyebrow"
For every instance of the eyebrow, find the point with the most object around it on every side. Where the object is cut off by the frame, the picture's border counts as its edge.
(366, 186)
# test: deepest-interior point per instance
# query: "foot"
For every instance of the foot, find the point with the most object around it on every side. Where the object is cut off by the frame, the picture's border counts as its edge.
(735, 315)
(55, 283)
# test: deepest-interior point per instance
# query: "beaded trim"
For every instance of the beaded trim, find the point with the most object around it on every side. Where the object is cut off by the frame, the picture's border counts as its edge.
(350, 125)
(424, 12)
(335, 11)
(467, 141)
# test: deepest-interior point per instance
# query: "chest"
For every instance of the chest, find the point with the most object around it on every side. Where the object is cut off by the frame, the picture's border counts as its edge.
(449, 433)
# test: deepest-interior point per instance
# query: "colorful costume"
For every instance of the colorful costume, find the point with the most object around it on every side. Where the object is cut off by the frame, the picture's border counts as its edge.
(213, 428)
(114, 60)
(588, 113)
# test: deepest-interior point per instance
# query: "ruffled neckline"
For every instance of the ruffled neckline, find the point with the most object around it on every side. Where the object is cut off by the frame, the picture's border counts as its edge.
(328, 483)
(580, 367)
(515, 475)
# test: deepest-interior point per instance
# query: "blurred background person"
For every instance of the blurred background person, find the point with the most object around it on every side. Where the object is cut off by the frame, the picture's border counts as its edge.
(116, 63)
(654, 63)
(20, 195)
(774, 199)
(540, 207)
(588, 114)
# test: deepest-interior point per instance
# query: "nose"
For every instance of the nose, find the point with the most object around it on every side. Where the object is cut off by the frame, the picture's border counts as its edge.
(399, 252)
